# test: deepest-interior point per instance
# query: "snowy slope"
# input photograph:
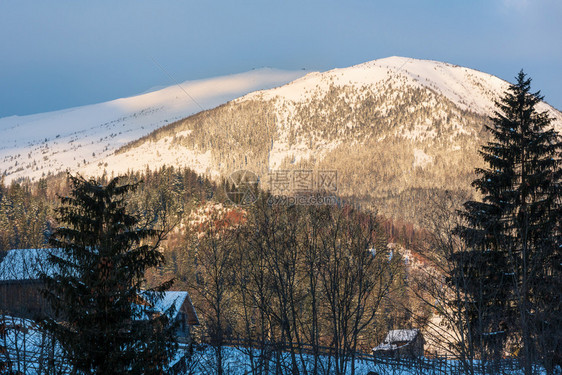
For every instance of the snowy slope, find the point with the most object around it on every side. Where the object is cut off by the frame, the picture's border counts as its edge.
(468, 89)
(85, 139)
(36, 145)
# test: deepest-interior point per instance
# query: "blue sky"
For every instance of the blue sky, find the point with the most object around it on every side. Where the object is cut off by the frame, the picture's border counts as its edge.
(60, 54)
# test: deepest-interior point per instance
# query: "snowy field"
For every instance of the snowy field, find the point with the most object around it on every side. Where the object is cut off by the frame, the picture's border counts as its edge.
(32, 353)
(236, 361)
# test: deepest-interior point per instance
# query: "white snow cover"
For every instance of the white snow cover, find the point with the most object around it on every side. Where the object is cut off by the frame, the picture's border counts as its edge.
(468, 88)
(29, 348)
(401, 335)
(29, 351)
(169, 299)
(421, 159)
(84, 139)
(34, 145)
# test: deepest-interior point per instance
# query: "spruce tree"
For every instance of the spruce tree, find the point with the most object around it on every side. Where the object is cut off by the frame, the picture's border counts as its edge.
(103, 319)
(518, 221)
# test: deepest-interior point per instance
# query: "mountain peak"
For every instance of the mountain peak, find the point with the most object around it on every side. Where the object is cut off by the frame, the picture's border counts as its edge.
(470, 89)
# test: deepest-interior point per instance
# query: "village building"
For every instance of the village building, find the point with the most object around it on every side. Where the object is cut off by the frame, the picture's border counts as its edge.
(401, 343)
(184, 313)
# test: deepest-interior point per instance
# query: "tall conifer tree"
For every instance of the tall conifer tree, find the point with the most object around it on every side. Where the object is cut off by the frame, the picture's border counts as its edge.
(518, 222)
(104, 320)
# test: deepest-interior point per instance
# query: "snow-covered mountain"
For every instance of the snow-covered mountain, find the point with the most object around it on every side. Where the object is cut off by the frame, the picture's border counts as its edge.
(396, 130)
(37, 145)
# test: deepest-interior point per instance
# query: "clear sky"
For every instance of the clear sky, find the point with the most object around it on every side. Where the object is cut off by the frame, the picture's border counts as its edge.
(60, 54)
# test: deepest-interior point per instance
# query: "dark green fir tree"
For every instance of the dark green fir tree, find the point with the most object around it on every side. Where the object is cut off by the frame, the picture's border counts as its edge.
(102, 317)
(515, 228)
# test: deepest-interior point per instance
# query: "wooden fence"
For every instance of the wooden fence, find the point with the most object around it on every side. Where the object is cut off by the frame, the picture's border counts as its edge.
(439, 365)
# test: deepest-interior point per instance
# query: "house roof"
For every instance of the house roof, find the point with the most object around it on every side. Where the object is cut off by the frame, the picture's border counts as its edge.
(395, 339)
(24, 264)
(182, 301)
(401, 335)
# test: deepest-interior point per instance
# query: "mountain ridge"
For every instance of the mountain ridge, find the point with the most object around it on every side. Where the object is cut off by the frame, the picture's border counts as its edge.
(80, 135)
(390, 127)
(397, 131)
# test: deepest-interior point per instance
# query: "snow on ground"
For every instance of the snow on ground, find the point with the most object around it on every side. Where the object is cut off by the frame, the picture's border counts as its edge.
(236, 361)
(24, 264)
(34, 145)
(29, 349)
(283, 152)
(468, 88)
(153, 155)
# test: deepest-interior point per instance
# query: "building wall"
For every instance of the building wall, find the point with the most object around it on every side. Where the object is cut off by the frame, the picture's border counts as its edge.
(414, 349)
(22, 298)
